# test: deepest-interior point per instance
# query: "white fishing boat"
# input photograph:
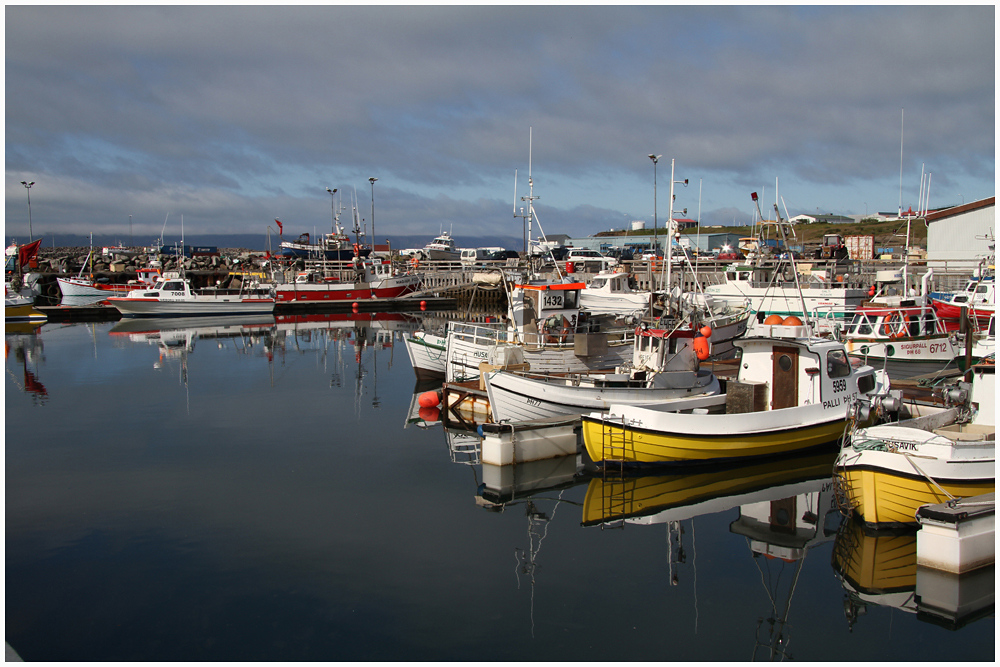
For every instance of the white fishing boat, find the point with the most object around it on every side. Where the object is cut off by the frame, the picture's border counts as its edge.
(172, 296)
(442, 249)
(791, 393)
(609, 293)
(664, 368)
(906, 340)
(88, 286)
(886, 471)
(774, 284)
(545, 331)
(773, 288)
(427, 352)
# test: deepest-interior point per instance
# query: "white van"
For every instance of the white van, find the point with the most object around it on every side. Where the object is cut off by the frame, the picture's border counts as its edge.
(471, 256)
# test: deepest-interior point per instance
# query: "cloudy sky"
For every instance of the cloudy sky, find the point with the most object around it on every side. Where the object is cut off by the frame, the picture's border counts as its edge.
(232, 116)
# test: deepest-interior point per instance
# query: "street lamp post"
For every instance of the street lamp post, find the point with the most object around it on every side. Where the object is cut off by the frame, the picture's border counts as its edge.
(655, 159)
(27, 186)
(372, 181)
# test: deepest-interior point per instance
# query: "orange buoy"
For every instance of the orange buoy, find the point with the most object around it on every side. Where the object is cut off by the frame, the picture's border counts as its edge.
(701, 348)
(429, 399)
(774, 319)
(871, 291)
(354, 306)
(706, 331)
(429, 414)
(792, 321)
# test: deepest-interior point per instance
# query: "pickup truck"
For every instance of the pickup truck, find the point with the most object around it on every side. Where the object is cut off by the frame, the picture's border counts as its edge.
(590, 260)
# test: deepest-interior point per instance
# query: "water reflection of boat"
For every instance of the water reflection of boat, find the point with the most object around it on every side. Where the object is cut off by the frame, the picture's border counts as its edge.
(674, 496)
(26, 346)
(538, 486)
(464, 446)
(175, 337)
(786, 507)
(171, 332)
(879, 569)
(417, 415)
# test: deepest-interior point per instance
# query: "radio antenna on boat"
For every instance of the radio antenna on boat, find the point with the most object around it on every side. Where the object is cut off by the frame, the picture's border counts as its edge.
(901, 117)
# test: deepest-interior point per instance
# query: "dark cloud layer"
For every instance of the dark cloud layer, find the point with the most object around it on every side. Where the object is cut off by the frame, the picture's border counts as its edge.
(233, 115)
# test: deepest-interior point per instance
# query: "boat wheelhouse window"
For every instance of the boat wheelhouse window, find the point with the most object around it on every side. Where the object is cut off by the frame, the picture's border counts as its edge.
(174, 286)
(598, 282)
(837, 364)
(861, 324)
(866, 383)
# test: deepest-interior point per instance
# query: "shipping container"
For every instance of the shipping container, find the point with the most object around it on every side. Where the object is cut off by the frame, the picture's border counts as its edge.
(860, 247)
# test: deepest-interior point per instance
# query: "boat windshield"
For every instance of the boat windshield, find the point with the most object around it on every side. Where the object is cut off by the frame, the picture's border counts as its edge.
(837, 364)
(861, 325)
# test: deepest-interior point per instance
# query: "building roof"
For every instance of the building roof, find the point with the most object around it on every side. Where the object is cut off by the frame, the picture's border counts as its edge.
(958, 210)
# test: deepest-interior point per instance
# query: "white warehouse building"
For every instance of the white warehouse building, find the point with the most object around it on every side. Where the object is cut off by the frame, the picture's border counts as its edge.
(962, 233)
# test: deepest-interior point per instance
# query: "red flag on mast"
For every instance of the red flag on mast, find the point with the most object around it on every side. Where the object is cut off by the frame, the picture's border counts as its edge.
(279, 226)
(27, 252)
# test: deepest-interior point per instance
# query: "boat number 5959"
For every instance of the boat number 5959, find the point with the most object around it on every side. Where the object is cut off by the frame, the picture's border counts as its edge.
(839, 386)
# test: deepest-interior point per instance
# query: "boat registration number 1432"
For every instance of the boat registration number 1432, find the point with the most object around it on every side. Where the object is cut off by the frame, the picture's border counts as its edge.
(552, 301)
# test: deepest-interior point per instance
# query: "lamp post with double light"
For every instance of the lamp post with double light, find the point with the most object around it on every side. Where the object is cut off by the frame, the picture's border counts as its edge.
(655, 159)
(372, 181)
(27, 186)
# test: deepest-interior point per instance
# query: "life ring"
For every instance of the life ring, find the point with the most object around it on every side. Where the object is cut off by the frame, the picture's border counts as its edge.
(414, 261)
(890, 326)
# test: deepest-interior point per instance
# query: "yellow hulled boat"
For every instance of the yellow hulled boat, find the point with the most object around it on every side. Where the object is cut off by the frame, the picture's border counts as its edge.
(886, 472)
(792, 392)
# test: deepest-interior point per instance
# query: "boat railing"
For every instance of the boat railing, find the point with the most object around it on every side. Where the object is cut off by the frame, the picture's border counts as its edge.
(486, 335)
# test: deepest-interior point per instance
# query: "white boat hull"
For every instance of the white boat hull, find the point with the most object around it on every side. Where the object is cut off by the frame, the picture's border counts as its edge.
(427, 353)
(211, 305)
(886, 472)
(75, 287)
(516, 397)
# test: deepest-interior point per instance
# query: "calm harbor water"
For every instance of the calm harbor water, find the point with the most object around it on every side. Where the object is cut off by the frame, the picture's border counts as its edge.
(266, 491)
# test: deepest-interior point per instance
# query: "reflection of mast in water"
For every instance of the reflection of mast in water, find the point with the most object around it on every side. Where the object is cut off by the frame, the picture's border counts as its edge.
(527, 559)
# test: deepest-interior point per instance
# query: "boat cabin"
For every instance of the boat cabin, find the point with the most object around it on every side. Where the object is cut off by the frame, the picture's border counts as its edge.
(787, 369)
(549, 308)
(907, 321)
(613, 283)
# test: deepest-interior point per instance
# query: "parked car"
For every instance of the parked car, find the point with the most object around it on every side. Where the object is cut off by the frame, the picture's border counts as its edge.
(621, 254)
(503, 255)
(728, 256)
(591, 260)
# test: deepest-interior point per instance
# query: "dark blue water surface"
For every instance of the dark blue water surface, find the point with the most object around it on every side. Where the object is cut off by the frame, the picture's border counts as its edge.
(262, 492)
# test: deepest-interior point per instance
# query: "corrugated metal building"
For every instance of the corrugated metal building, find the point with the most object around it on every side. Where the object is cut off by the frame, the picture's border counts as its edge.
(962, 232)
